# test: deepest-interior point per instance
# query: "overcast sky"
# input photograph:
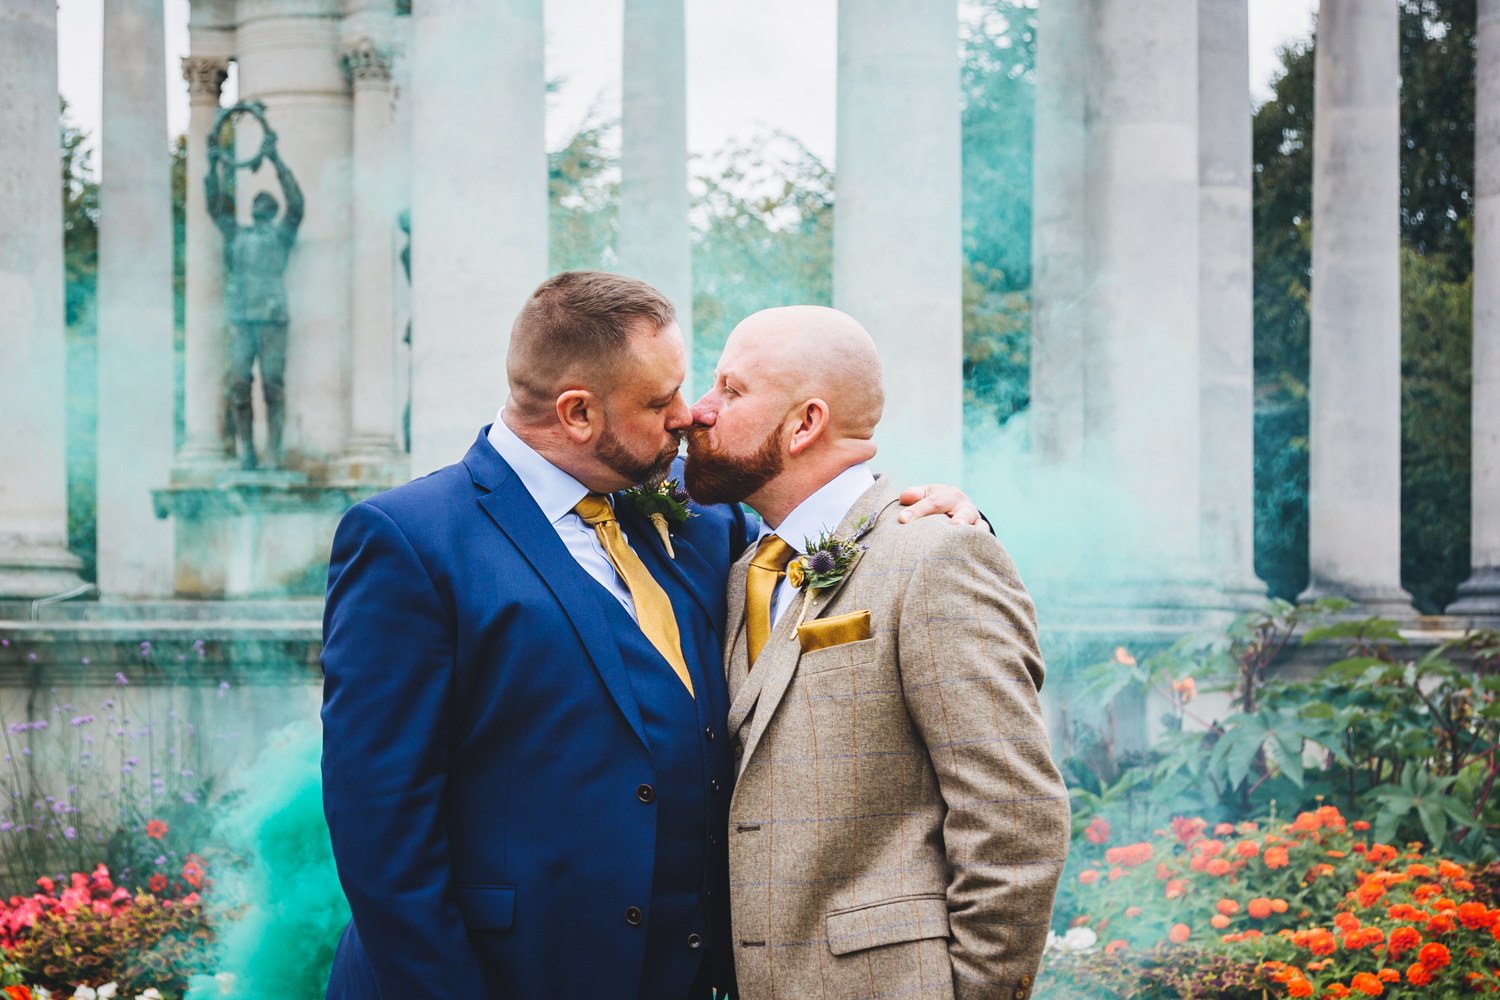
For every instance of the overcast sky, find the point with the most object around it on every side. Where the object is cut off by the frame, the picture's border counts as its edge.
(751, 66)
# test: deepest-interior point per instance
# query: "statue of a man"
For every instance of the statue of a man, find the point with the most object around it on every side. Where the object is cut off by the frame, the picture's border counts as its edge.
(257, 256)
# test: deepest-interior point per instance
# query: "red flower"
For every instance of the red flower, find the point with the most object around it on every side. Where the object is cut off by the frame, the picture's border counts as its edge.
(1219, 921)
(1380, 852)
(1088, 876)
(1260, 908)
(1247, 849)
(17, 993)
(1360, 824)
(1188, 830)
(1276, 857)
(1278, 906)
(1130, 855)
(156, 829)
(1097, 831)
(1433, 955)
(1299, 987)
(1448, 869)
(1367, 984)
(1217, 867)
(1228, 907)
(1419, 975)
(193, 873)
(1475, 916)
(1403, 939)
(1179, 933)
(1389, 976)
(158, 882)
(1336, 989)
(1176, 887)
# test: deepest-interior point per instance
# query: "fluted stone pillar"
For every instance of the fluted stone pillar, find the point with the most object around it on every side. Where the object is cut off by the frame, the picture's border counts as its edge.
(1480, 594)
(1141, 353)
(136, 396)
(1354, 495)
(1226, 299)
(897, 255)
(371, 454)
(654, 240)
(205, 339)
(34, 557)
(1059, 233)
(479, 210)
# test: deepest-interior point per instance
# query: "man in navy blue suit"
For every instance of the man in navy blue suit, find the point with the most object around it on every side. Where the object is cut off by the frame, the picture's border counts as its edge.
(526, 774)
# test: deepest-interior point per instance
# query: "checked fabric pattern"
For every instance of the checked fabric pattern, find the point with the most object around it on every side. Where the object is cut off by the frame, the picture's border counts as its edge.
(898, 827)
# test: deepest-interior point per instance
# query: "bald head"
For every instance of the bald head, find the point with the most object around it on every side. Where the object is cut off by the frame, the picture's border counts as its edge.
(808, 352)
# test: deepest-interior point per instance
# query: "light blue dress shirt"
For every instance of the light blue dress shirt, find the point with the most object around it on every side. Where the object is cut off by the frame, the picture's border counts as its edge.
(557, 493)
(823, 511)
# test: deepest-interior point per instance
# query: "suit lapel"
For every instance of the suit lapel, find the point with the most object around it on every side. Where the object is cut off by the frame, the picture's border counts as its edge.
(778, 661)
(687, 564)
(516, 514)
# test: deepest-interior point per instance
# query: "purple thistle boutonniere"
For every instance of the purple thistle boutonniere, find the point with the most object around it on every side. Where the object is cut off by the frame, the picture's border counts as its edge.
(825, 563)
(661, 503)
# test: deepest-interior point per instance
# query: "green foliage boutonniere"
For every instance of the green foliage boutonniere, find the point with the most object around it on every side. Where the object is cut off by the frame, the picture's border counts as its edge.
(663, 502)
(825, 563)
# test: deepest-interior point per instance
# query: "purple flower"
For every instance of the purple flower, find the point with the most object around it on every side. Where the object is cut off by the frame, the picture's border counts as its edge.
(84, 661)
(79, 720)
(161, 859)
(4, 642)
(26, 751)
(823, 562)
(132, 761)
(121, 678)
(70, 833)
(31, 657)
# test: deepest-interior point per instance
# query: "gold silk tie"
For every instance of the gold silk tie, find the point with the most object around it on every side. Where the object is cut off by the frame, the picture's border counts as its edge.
(766, 571)
(653, 608)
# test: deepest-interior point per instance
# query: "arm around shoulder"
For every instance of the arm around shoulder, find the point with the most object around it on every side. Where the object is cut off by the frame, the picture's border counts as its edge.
(388, 663)
(971, 669)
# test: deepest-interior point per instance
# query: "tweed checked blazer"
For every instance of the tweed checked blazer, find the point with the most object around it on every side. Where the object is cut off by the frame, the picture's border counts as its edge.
(897, 828)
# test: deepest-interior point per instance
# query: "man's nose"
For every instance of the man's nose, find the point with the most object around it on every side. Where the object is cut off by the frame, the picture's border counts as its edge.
(704, 412)
(678, 414)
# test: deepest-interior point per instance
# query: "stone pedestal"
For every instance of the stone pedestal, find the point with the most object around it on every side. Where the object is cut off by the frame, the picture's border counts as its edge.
(897, 251)
(254, 534)
(136, 397)
(1354, 494)
(654, 240)
(34, 557)
(479, 210)
(1480, 594)
(1226, 307)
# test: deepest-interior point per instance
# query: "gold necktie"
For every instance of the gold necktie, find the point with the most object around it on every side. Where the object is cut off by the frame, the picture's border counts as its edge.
(653, 608)
(766, 571)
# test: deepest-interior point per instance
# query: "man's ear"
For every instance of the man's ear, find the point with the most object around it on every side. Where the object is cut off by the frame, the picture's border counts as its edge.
(812, 421)
(577, 411)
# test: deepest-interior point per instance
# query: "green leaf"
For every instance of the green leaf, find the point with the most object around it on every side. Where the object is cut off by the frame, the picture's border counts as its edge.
(1370, 630)
(1352, 667)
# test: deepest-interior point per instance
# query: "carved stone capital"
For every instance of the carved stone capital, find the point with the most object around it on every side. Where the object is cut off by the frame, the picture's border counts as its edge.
(365, 62)
(205, 77)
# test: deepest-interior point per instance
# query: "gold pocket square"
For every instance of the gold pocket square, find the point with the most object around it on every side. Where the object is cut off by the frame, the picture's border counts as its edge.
(835, 631)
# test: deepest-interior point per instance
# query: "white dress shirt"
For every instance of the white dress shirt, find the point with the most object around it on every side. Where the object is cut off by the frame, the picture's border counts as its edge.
(823, 511)
(557, 493)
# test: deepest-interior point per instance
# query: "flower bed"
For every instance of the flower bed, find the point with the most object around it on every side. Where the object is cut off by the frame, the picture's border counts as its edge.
(1308, 908)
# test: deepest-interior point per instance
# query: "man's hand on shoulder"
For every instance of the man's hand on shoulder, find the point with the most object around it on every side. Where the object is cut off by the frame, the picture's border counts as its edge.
(920, 501)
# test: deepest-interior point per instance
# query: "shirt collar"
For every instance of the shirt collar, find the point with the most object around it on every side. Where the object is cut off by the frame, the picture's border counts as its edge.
(556, 492)
(824, 510)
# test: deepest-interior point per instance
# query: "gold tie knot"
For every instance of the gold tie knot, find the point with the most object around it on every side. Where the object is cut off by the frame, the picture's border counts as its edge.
(595, 509)
(773, 554)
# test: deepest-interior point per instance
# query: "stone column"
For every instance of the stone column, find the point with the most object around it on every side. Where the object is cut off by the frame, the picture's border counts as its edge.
(290, 56)
(371, 454)
(1480, 594)
(136, 396)
(479, 211)
(1354, 495)
(897, 255)
(203, 453)
(654, 239)
(1226, 299)
(1141, 356)
(1059, 233)
(34, 557)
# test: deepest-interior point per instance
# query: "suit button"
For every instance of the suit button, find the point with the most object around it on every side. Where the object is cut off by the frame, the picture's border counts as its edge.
(1020, 995)
(709, 732)
(714, 784)
(645, 793)
(739, 749)
(694, 941)
(633, 916)
(1025, 980)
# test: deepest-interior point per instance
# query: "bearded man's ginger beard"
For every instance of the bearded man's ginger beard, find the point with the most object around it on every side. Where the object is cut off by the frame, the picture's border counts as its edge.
(651, 471)
(713, 476)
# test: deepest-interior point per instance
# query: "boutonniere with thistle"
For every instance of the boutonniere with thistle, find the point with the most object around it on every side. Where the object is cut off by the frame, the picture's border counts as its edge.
(825, 564)
(660, 503)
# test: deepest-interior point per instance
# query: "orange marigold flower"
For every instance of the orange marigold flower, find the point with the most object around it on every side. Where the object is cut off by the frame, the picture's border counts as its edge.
(1260, 908)
(1441, 924)
(1319, 966)
(1278, 906)
(1389, 976)
(1475, 916)
(1448, 869)
(1088, 876)
(1276, 857)
(1079, 921)
(1218, 921)
(1231, 938)
(1426, 892)
(1405, 911)
(1223, 829)
(1379, 853)
(1403, 939)
(1321, 942)
(1252, 933)
(1119, 944)
(16, 993)
(1367, 984)
(1369, 892)
(1208, 848)
(1097, 831)
(156, 829)
(1247, 849)
(1463, 885)
(1248, 826)
(1130, 855)
(1115, 873)
(1336, 854)
(1132, 911)
(1321, 870)
(1346, 921)
(1331, 819)
(1336, 990)
(1218, 867)
(1162, 871)
(1418, 974)
(1179, 933)
(1299, 988)
(1188, 830)
(1177, 887)
(1360, 824)
(1434, 955)
(1418, 871)
(1444, 903)
(1228, 907)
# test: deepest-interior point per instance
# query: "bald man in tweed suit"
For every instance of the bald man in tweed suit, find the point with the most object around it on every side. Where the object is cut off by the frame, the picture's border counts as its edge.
(897, 827)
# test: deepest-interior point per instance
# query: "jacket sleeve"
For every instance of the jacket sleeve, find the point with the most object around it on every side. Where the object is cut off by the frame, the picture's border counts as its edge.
(388, 664)
(971, 670)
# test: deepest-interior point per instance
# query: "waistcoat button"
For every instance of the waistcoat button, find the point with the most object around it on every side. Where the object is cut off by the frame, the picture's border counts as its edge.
(633, 916)
(694, 941)
(645, 793)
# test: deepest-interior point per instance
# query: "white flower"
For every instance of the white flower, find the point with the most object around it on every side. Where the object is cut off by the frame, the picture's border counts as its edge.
(106, 991)
(1079, 939)
(150, 994)
(226, 982)
(41, 993)
(85, 993)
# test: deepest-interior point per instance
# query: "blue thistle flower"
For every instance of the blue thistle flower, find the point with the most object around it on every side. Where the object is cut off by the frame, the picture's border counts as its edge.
(823, 562)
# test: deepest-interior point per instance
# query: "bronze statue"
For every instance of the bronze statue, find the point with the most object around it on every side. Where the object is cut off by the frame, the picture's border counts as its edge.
(256, 256)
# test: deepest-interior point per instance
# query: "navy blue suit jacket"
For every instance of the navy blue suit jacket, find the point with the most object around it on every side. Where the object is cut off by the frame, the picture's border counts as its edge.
(482, 746)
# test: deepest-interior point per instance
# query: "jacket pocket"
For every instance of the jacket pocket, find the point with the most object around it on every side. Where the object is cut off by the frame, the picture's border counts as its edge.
(891, 921)
(486, 907)
(839, 630)
(848, 654)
